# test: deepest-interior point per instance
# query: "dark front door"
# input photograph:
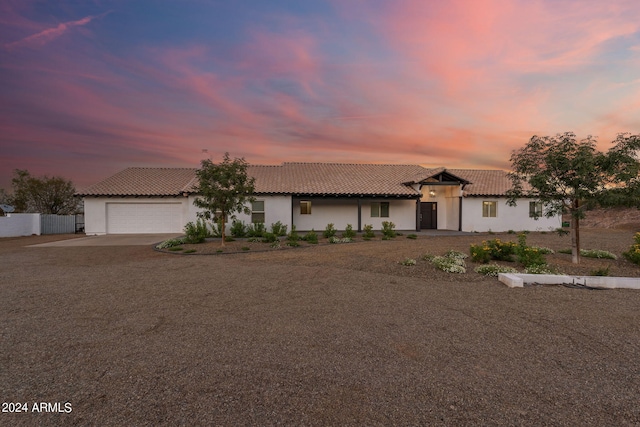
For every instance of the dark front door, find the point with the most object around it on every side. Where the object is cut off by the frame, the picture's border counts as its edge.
(428, 215)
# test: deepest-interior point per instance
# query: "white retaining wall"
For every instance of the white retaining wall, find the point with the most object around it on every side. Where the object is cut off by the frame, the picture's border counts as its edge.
(19, 224)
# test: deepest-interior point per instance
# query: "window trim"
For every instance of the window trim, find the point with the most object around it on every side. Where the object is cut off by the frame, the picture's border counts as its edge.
(537, 211)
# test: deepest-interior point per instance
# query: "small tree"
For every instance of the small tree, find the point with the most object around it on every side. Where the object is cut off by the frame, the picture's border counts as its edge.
(568, 176)
(44, 195)
(223, 189)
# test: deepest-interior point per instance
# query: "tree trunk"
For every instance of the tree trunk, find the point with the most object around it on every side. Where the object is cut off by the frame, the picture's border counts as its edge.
(575, 233)
(223, 225)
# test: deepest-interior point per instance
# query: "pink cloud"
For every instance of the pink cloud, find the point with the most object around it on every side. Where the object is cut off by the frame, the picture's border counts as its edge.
(45, 36)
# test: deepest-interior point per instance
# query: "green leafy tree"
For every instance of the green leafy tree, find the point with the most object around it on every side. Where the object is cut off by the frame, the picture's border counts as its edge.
(224, 189)
(569, 176)
(46, 195)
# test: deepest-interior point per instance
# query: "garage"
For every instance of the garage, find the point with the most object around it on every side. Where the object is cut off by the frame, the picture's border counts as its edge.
(125, 218)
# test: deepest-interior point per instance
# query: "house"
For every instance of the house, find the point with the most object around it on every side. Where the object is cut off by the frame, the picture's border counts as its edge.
(311, 195)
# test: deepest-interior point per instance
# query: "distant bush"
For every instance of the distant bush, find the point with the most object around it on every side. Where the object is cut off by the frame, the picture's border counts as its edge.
(348, 232)
(293, 235)
(170, 243)
(196, 232)
(329, 231)
(408, 262)
(335, 239)
(451, 262)
(311, 237)
(256, 229)
(388, 229)
(238, 229)
(368, 232)
(269, 237)
(412, 236)
(279, 229)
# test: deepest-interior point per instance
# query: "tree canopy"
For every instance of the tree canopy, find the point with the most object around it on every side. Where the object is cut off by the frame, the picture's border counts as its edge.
(569, 176)
(46, 195)
(223, 189)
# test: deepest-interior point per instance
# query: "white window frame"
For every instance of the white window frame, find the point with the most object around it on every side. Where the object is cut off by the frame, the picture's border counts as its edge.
(489, 207)
(377, 210)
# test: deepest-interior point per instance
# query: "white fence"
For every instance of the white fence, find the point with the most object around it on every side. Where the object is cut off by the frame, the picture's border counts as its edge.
(26, 224)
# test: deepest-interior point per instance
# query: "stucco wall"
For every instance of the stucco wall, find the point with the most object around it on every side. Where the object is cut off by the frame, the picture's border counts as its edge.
(514, 218)
(19, 224)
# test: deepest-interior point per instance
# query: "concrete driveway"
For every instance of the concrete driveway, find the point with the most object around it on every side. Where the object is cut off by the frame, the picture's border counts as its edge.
(111, 240)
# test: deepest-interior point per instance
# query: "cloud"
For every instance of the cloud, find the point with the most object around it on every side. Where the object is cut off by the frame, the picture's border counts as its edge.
(50, 34)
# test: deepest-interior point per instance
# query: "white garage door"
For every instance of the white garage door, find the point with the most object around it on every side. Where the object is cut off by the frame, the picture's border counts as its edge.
(125, 218)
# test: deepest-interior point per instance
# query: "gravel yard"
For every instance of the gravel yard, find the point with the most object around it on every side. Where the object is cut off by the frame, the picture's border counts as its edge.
(336, 334)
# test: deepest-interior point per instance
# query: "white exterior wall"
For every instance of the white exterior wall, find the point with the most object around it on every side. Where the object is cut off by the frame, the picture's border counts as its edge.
(19, 224)
(402, 213)
(276, 208)
(507, 218)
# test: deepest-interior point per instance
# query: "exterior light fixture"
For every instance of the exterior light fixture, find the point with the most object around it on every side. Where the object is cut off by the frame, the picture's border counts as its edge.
(432, 193)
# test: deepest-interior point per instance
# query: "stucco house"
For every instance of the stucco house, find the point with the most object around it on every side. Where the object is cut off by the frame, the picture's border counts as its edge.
(311, 195)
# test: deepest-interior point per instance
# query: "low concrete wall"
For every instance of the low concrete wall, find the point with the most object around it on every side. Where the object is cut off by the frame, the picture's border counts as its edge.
(19, 224)
(514, 280)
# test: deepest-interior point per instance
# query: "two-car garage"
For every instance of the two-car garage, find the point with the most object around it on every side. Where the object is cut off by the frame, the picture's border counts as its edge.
(124, 218)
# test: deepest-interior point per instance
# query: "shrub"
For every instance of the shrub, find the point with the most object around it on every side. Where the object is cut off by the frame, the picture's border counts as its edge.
(412, 236)
(256, 229)
(480, 253)
(529, 256)
(348, 232)
(451, 262)
(494, 269)
(293, 244)
(408, 262)
(238, 229)
(596, 253)
(540, 269)
(633, 254)
(275, 245)
(189, 251)
(196, 232)
(279, 229)
(293, 235)
(388, 229)
(269, 237)
(170, 243)
(456, 255)
(176, 248)
(368, 232)
(329, 231)
(335, 239)
(544, 250)
(311, 237)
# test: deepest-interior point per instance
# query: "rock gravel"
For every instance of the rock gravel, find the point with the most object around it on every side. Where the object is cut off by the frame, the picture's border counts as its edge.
(322, 335)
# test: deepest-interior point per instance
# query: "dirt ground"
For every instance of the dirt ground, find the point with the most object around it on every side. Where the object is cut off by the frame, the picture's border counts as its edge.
(322, 335)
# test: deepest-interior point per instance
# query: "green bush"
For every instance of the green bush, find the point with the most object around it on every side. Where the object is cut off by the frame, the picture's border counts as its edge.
(540, 269)
(293, 235)
(335, 239)
(529, 256)
(176, 248)
(368, 232)
(216, 228)
(238, 229)
(388, 229)
(450, 264)
(329, 231)
(596, 253)
(480, 253)
(602, 271)
(348, 232)
(269, 237)
(408, 262)
(279, 229)
(170, 243)
(412, 236)
(196, 232)
(311, 237)
(633, 254)
(256, 229)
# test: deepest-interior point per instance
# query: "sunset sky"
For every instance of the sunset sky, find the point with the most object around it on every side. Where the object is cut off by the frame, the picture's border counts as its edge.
(88, 88)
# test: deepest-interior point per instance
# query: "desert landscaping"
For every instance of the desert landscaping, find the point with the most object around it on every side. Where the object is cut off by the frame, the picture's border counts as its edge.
(327, 334)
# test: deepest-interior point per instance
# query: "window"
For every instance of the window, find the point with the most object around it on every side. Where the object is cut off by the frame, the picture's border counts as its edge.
(257, 211)
(535, 209)
(305, 207)
(380, 210)
(489, 209)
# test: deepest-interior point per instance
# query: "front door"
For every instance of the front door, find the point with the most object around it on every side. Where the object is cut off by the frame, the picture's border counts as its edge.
(428, 215)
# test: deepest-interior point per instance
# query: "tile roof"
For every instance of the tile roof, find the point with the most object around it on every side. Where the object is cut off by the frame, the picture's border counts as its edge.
(483, 182)
(308, 179)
